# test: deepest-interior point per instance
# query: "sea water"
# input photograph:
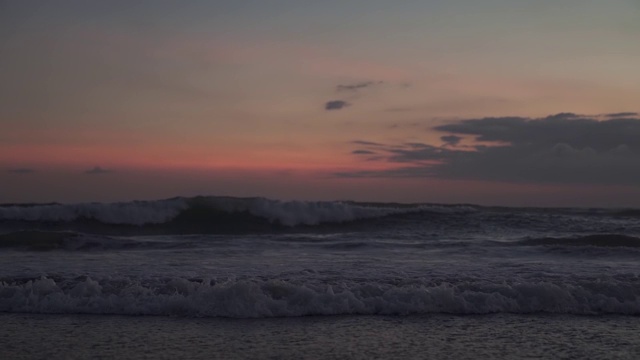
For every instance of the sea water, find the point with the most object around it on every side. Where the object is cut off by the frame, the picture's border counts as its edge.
(221, 277)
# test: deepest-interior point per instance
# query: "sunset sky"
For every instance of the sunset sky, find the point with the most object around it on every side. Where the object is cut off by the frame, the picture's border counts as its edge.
(501, 102)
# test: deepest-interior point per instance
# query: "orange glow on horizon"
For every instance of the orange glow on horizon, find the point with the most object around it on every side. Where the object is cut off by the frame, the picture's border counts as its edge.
(176, 158)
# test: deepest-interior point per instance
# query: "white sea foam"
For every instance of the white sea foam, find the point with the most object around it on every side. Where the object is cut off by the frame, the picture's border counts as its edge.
(275, 298)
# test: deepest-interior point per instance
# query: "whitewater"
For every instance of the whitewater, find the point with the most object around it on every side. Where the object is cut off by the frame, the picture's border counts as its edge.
(294, 266)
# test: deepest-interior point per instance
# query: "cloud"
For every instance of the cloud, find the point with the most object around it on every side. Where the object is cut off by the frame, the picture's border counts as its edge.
(357, 86)
(335, 105)
(352, 92)
(21, 171)
(363, 152)
(97, 171)
(623, 114)
(561, 148)
(451, 139)
(367, 143)
(577, 131)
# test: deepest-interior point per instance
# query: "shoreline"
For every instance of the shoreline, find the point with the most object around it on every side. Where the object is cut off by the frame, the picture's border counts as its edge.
(32, 336)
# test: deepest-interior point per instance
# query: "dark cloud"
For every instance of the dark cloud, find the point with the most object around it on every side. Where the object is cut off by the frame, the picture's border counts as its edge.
(98, 170)
(357, 86)
(363, 152)
(564, 115)
(562, 148)
(451, 139)
(21, 171)
(335, 105)
(623, 114)
(416, 153)
(577, 131)
(367, 143)
(401, 172)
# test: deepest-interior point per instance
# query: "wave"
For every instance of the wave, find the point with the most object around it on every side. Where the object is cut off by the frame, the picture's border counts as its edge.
(201, 215)
(594, 240)
(131, 213)
(258, 298)
(35, 240)
(38, 240)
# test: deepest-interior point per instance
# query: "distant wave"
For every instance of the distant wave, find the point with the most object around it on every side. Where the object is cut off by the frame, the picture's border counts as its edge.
(628, 213)
(35, 240)
(256, 298)
(40, 241)
(202, 214)
(595, 240)
(131, 213)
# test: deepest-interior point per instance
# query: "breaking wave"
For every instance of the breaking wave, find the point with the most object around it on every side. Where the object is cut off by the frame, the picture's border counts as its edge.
(259, 298)
(201, 214)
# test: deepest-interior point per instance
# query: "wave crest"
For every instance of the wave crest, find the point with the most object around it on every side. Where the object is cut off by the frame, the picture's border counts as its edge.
(215, 212)
(130, 213)
(254, 298)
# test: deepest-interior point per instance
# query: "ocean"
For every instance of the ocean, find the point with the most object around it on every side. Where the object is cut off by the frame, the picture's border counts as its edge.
(223, 277)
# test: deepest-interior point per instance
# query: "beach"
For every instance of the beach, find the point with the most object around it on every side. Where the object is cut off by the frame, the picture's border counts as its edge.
(500, 336)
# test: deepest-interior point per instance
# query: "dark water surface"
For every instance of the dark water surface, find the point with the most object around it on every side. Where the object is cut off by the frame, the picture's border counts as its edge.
(232, 278)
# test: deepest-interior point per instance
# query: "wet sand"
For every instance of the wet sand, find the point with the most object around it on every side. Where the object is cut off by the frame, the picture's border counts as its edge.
(501, 336)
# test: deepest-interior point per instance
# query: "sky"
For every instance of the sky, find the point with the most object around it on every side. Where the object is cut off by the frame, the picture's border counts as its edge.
(495, 102)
